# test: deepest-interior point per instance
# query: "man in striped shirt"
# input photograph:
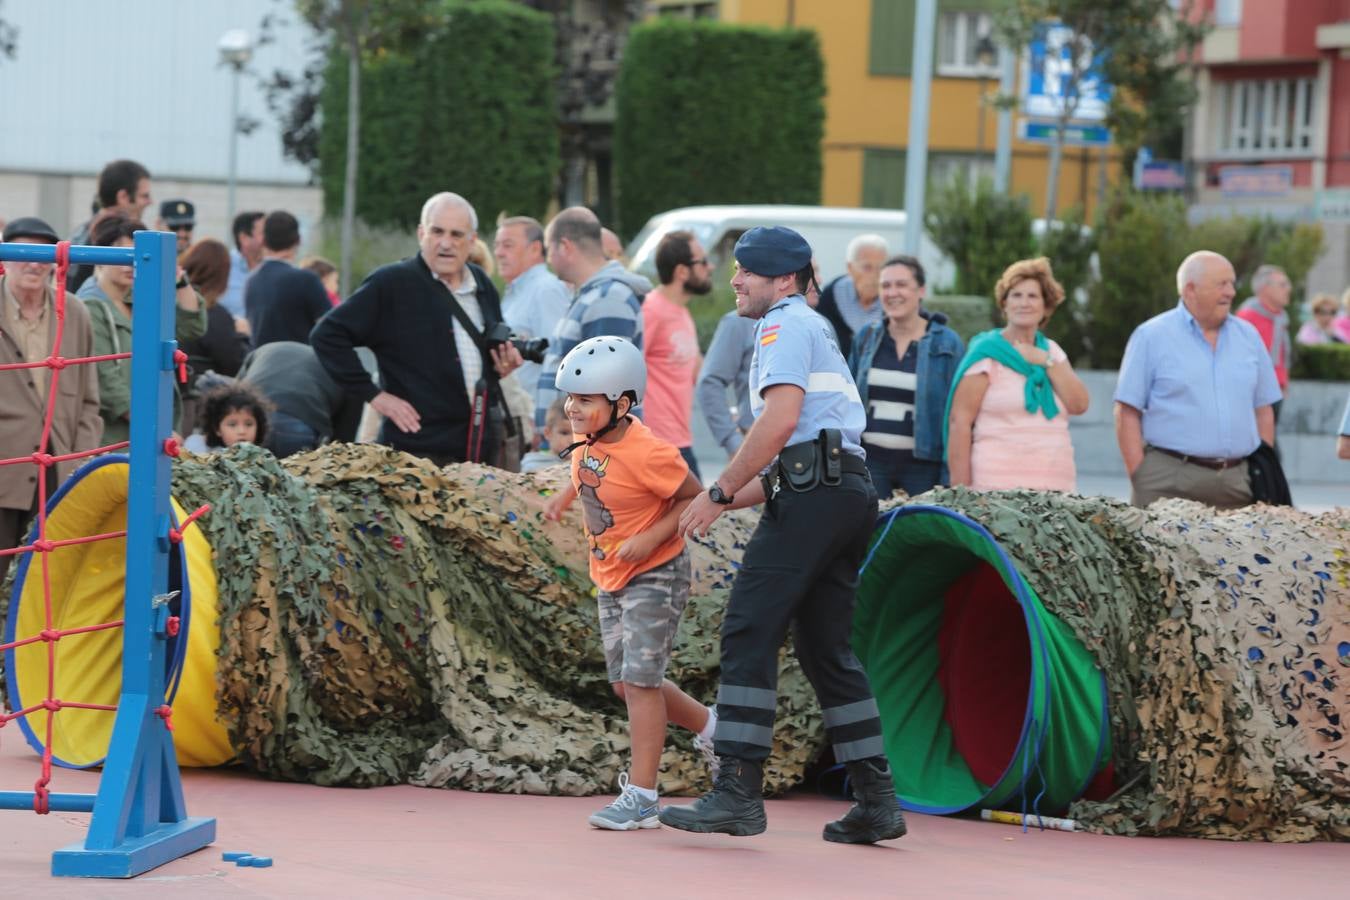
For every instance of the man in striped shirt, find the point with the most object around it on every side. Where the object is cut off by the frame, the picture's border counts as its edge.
(608, 299)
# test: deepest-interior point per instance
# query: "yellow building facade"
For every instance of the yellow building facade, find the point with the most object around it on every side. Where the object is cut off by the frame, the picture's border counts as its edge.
(866, 45)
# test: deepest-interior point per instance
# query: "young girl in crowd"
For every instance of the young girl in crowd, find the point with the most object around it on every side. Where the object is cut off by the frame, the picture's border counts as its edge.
(230, 414)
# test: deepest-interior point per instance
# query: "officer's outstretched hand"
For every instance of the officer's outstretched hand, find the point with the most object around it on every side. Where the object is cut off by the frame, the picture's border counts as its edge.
(699, 515)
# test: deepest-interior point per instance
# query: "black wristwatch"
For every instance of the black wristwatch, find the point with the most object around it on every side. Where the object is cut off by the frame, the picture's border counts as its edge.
(718, 496)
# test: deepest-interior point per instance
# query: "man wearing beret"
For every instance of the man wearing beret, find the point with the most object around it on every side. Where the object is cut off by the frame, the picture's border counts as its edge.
(806, 443)
(27, 333)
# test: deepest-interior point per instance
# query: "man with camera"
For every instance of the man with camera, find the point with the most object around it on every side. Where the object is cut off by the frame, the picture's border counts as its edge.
(535, 298)
(428, 320)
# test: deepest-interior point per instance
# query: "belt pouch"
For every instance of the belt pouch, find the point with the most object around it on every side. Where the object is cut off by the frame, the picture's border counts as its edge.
(832, 447)
(799, 465)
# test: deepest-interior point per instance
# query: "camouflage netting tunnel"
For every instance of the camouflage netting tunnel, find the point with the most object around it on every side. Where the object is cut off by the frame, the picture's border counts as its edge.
(384, 621)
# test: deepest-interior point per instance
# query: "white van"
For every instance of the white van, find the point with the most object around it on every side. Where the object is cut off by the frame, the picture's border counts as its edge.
(828, 229)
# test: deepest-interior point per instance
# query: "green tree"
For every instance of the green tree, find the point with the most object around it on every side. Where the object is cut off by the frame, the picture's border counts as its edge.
(715, 113)
(1141, 48)
(1138, 241)
(981, 231)
(350, 30)
(476, 116)
(1070, 244)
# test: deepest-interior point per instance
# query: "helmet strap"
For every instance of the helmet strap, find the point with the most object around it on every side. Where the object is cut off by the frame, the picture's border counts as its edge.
(592, 438)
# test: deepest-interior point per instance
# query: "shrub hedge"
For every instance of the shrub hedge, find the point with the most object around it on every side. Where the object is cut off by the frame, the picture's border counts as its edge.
(1322, 362)
(714, 113)
(468, 108)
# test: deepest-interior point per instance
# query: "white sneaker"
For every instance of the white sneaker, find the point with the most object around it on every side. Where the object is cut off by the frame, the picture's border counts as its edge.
(628, 812)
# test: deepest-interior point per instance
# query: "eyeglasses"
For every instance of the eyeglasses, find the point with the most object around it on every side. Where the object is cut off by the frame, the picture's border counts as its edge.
(1324, 312)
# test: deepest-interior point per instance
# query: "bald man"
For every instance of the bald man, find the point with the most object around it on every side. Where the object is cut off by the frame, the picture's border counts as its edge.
(1195, 394)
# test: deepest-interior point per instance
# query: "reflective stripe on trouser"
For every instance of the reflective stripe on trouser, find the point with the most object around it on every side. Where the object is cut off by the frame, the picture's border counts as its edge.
(799, 575)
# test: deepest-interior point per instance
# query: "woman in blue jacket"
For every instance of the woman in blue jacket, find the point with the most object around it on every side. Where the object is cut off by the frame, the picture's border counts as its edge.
(904, 367)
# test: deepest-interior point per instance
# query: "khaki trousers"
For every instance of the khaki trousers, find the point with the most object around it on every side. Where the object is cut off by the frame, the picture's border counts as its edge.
(1160, 476)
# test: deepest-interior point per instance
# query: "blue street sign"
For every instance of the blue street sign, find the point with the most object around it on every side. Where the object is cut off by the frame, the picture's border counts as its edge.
(1075, 135)
(1047, 67)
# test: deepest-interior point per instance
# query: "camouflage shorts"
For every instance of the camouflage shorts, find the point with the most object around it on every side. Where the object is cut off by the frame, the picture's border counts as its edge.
(638, 622)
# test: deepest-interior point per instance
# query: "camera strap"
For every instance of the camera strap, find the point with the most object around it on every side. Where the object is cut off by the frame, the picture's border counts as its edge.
(478, 412)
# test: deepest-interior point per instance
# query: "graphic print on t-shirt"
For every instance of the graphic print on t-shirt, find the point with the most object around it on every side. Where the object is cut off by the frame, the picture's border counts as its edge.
(596, 515)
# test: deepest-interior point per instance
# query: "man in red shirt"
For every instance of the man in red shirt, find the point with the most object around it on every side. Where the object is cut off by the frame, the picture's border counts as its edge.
(670, 340)
(1268, 313)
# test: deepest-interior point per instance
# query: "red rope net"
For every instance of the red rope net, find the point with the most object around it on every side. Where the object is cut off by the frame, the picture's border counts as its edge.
(43, 547)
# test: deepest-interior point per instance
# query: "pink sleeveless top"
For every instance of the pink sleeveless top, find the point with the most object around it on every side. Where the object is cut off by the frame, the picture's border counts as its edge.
(1012, 448)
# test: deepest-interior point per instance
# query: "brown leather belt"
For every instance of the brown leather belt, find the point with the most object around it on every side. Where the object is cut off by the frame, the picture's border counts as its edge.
(1209, 462)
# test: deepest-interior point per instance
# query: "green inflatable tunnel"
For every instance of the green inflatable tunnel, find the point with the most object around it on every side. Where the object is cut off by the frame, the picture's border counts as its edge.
(987, 700)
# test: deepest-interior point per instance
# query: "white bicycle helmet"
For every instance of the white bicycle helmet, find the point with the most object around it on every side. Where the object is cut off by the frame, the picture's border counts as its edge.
(603, 365)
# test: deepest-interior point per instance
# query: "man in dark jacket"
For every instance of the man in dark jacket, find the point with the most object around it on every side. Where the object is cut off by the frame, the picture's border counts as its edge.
(850, 302)
(281, 300)
(424, 318)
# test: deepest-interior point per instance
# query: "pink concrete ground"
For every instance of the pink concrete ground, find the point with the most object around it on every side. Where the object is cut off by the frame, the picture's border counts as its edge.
(413, 842)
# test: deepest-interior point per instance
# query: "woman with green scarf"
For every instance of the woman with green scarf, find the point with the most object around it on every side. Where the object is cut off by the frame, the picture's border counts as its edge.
(1009, 407)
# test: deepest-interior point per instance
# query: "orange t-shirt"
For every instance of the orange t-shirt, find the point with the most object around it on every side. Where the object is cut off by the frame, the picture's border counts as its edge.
(670, 349)
(625, 487)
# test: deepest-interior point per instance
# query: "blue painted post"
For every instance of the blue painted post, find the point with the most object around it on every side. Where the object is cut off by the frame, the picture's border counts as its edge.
(140, 820)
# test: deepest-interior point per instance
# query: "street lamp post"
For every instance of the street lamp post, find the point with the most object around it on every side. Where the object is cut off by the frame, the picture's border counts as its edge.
(236, 49)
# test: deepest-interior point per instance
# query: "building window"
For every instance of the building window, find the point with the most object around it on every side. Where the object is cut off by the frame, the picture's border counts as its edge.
(1228, 13)
(883, 183)
(943, 168)
(684, 9)
(959, 37)
(1266, 117)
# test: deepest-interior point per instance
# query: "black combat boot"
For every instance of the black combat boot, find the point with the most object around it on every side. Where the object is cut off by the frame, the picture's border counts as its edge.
(876, 816)
(734, 806)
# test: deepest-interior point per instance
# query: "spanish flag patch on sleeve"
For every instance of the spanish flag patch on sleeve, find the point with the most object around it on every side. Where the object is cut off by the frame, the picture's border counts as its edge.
(768, 335)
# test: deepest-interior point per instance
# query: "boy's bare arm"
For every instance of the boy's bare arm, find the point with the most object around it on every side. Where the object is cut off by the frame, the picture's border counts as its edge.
(644, 543)
(558, 503)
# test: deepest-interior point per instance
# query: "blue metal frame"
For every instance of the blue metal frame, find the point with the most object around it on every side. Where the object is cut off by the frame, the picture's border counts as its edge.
(139, 818)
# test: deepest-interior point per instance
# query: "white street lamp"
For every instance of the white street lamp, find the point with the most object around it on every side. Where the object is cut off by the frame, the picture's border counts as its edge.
(236, 49)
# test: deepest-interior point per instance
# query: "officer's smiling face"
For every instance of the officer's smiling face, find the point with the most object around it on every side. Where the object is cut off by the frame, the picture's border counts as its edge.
(754, 293)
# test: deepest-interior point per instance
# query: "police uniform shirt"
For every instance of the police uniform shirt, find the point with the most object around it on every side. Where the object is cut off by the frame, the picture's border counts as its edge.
(793, 345)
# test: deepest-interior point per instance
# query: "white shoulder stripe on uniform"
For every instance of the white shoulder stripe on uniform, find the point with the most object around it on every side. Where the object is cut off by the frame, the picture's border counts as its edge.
(832, 383)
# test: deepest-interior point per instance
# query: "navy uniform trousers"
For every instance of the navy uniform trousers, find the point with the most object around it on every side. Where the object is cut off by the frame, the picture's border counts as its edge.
(800, 569)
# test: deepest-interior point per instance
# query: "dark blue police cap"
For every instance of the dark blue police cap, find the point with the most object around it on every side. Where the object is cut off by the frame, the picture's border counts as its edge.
(772, 250)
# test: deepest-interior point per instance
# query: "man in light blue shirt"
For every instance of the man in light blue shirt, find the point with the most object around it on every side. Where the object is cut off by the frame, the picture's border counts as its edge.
(727, 367)
(1195, 394)
(245, 258)
(535, 298)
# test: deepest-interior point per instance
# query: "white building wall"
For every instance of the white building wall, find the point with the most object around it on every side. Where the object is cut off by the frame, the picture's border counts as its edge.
(94, 80)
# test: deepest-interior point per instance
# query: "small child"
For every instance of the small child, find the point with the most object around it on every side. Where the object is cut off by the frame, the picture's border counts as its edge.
(327, 273)
(633, 487)
(232, 413)
(557, 435)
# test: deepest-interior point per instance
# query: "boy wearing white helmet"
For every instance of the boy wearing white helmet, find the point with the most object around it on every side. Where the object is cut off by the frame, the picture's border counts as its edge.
(633, 487)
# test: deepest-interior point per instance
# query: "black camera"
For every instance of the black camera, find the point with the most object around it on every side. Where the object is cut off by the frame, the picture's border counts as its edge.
(531, 349)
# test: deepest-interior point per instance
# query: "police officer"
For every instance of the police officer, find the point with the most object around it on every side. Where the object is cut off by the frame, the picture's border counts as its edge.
(801, 565)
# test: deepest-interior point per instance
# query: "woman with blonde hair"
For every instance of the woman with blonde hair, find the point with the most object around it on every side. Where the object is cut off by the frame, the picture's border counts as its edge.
(1009, 407)
(1321, 328)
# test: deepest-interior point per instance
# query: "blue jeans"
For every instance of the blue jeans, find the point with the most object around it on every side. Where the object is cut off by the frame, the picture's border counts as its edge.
(286, 435)
(913, 477)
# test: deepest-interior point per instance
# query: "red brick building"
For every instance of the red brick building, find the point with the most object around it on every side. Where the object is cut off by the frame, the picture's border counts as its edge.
(1271, 132)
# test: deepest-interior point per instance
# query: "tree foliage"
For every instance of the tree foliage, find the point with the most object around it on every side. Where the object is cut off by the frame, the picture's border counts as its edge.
(715, 113)
(980, 230)
(1142, 47)
(466, 107)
